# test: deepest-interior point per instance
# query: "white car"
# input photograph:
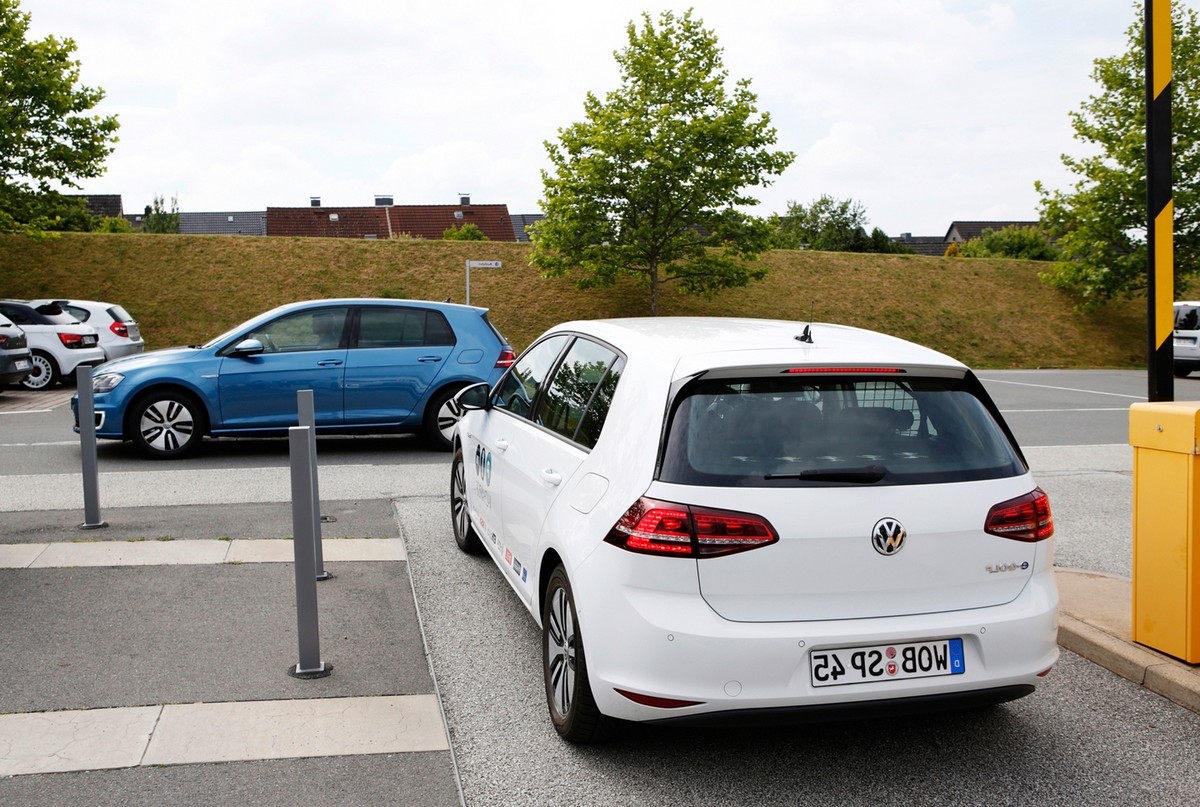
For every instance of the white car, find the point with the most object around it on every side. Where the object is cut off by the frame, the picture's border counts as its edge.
(729, 520)
(1186, 338)
(58, 343)
(118, 331)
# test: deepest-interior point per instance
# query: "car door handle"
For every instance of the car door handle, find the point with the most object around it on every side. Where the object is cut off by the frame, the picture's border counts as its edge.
(329, 362)
(429, 359)
(551, 477)
(502, 444)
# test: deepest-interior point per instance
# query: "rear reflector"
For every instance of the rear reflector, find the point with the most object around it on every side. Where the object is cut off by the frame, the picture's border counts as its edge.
(660, 703)
(507, 357)
(1025, 518)
(679, 530)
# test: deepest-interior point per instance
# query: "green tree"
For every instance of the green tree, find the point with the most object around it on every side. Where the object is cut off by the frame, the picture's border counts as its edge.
(830, 225)
(467, 232)
(1014, 241)
(1100, 223)
(160, 219)
(47, 135)
(652, 182)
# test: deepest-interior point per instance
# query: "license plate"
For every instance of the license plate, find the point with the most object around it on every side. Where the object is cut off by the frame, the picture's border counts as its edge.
(886, 662)
(90, 339)
(21, 364)
(1184, 341)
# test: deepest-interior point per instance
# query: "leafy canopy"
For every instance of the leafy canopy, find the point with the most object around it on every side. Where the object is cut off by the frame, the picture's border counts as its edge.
(651, 182)
(467, 232)
(46, 133)
(1013, 241)
(1100, 223)
(162, 219)
(830, 225)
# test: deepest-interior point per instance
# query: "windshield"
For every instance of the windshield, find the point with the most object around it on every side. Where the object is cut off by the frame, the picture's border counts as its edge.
(816, 430)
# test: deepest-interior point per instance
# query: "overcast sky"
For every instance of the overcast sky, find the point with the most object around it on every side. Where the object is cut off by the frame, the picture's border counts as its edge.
(925, 111)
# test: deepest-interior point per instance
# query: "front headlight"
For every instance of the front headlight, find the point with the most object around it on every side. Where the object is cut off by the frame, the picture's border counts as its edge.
(105, 382)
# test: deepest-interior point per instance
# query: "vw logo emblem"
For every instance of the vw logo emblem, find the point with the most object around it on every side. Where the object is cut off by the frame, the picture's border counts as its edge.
(888, 536)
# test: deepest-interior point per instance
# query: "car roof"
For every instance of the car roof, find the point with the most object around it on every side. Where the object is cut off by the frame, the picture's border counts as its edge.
(694, 344)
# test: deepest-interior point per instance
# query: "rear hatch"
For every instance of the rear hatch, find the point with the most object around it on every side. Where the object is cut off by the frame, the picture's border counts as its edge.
(877, 486)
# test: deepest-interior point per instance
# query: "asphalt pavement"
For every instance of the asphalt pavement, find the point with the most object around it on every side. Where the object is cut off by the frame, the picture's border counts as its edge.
(140, 657)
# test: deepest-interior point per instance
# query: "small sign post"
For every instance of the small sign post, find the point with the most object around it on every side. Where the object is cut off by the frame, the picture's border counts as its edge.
(478, 265)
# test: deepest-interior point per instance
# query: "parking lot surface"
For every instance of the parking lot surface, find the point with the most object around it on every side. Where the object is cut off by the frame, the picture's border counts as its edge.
(204, 647)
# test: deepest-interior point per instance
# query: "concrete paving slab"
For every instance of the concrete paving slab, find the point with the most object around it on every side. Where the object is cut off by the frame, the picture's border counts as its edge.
(132, 553)
(229, 732)
(20, 556)
(88, 739)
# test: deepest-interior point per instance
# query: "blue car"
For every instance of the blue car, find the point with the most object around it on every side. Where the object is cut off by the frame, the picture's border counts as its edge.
(375, 366)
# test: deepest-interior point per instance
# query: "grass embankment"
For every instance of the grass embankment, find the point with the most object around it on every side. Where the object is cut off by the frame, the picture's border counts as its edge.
(187, 289)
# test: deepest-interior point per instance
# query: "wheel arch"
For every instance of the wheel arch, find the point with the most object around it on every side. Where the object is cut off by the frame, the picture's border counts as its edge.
(550, 560)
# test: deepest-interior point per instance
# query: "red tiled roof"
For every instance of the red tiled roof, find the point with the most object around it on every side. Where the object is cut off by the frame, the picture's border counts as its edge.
(389, 221)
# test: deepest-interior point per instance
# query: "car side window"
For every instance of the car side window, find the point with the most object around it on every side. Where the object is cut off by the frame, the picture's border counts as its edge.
(517, 390)
(319, 329)
(403, 327)
(576, 389)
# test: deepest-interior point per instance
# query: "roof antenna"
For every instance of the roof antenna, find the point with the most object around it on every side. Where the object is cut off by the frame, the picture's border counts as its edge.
(806, 337)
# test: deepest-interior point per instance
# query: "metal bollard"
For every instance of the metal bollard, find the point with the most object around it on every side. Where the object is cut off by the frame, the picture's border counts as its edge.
(306, 412)
(310, 664)
(87, 450)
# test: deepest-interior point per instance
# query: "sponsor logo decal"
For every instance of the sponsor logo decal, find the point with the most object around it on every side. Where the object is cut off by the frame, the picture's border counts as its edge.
(483, 465)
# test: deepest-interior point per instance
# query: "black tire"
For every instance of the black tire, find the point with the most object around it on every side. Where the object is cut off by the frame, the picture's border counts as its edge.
(167, 424)
(464, 534)
(438, 426)
(573, 710)
(1182, 372)
(45, 372)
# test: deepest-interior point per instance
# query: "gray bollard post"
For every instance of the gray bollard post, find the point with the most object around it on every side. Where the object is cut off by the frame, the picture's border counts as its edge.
(310, 664)
(306, 411)
(87, 449)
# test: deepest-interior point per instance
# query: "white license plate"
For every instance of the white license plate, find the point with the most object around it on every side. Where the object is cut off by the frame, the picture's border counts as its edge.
(886, 662)
(1183, 341)
(21, 364)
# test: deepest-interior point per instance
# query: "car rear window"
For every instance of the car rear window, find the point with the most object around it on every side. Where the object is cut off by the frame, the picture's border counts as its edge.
(827, 430)
(1187, 318)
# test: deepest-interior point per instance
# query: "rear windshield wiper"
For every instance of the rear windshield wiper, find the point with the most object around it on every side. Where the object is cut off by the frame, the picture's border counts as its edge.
(865, 475)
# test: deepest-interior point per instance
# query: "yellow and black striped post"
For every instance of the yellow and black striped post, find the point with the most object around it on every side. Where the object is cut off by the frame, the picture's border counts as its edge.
(1160, 279)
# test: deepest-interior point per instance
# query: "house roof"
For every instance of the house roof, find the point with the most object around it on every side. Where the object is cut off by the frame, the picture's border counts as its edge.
(966, 230)
(924, 244)
(103, 205)
(227, 223)
(521, 221)
(390, 221)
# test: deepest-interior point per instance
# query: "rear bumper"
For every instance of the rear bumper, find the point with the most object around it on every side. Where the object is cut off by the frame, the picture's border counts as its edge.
(673, 646)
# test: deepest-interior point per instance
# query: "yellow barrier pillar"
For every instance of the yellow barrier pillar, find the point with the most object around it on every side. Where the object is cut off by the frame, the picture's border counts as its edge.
(1166, 527)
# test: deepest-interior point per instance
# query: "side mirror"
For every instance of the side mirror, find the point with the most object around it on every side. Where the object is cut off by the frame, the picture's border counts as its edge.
(472, 397)
(247, 347)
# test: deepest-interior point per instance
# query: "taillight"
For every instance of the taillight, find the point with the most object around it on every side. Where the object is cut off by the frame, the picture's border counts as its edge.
(120, 329)
(71, 340)
(1025, 518)
(680, 530)
(507, 357)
